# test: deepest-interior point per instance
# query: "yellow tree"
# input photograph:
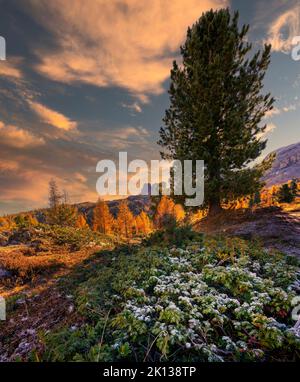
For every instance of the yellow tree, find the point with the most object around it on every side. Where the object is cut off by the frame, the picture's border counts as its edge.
(179, 213)
(143, 223)
(3, 223)
(164, 208)
(103, 220)
(125, 221)
(81, 221)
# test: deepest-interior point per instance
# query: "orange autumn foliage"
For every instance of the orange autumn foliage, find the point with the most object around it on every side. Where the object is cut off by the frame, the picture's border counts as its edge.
(103, 220)
(125, 223)
(81, 222)
(143, 223)
(166, 207)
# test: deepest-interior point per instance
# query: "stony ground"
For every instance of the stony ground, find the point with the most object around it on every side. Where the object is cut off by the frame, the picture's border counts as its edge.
(35, 305)
(274, 227)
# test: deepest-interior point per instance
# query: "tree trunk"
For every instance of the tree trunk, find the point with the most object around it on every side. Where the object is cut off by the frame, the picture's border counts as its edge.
(214, 208)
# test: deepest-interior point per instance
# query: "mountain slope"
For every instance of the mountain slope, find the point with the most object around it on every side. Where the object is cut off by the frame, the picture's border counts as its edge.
(286, 165)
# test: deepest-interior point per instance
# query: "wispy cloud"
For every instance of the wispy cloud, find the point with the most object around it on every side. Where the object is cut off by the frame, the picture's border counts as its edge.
(124, 137)
(52, 117)
(134, 107)
(284, 28)
(277, 111)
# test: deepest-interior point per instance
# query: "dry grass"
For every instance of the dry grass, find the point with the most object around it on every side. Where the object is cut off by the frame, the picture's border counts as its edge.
(25, 267)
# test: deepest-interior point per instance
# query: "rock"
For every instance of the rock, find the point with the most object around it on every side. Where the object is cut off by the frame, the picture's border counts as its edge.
(4, 273)
(3, 240)
(20, 236)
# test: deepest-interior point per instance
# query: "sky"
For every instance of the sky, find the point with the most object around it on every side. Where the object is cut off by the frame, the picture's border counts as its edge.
(86, 79)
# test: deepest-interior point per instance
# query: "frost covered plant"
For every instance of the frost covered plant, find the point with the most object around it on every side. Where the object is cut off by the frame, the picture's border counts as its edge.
(217, 300)
(205, 311)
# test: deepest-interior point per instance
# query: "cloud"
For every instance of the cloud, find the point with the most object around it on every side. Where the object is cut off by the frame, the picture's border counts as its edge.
(270, 127)
(135, 107)
(80, 177)
(271, 113)
(125, 43)
(52, 117)
(277, 111)
(10, 69)
(283, 29)
(123, 138)
(286, 109)
(16, 137)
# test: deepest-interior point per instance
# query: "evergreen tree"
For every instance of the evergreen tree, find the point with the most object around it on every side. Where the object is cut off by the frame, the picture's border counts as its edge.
(285, 194)
(217, 107)
(64, 215)
(256, 198)
(60, 213)
(294, 187)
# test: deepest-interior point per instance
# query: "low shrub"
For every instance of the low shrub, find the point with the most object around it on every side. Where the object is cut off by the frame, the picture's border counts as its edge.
(210, 300)
(76, 238)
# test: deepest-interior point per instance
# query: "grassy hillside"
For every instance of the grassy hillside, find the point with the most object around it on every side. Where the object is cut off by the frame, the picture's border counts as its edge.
(208, 299)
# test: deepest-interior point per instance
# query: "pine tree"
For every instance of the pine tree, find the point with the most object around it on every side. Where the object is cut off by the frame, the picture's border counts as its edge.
(125, 221)
(60, 213)
(103, 220)
(285, 194)
(217, 107)
(294, 187)
(257, 198)
(64, 215)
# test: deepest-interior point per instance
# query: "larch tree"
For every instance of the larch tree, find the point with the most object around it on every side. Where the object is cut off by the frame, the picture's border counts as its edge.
(125, 221)
(55, 196)
(81, 222)
(143, 223)
(217, 106)
(103, 220)
(164, 208)
(179, 212)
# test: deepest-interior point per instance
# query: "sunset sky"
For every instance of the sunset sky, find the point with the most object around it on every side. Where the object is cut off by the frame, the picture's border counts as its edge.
(85, 79)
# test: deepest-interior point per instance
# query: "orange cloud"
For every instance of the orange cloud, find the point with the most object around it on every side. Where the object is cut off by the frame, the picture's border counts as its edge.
(10, 69)
(52, 117)
(127, 43)
(14, 136)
